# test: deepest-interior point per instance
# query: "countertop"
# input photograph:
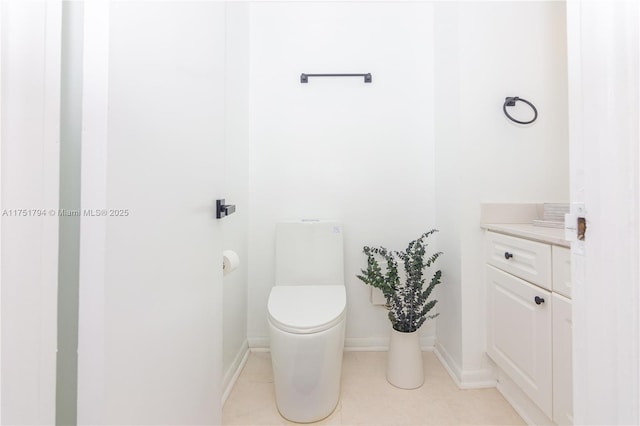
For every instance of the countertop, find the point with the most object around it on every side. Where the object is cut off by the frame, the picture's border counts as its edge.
(553, 236)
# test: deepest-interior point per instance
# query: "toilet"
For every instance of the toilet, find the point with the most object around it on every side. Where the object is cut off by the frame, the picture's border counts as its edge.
(307, 312)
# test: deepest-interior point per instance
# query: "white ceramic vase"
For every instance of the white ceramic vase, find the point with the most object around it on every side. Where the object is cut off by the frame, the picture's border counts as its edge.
(404, 360)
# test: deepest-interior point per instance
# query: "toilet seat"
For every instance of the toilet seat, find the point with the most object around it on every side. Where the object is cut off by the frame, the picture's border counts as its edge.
(307, 309)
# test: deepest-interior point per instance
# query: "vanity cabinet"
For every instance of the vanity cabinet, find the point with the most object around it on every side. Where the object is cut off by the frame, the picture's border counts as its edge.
(519, 334)
(529, 260)
(562, 361)
(561, 271)
(529, 319)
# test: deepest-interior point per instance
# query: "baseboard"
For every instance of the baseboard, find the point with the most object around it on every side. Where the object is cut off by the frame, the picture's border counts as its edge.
(259, 344)
(521, 403)
(234, 370)
(465, 379)
(366, 344)
(381, 344)
(449, 364)
(476, 379)
(351, 344)
(428, 343)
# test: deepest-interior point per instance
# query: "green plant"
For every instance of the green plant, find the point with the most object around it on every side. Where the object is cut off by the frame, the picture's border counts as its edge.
(407, 297)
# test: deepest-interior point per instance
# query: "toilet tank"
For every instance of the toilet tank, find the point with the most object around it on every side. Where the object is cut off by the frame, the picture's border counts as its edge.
(309, 253)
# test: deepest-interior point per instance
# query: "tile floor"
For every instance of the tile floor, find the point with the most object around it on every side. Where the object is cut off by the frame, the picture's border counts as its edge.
(368, 399)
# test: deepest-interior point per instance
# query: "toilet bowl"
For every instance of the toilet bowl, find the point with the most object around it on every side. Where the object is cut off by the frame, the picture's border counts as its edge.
(307, 315)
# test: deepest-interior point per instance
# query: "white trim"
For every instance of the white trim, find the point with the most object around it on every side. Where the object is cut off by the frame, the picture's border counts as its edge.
(381, 344)
(91, 348)
(635, 208)
(51, 199)
(38, 42)
(351, 344)
(428, 343)
(258, 344)
(449, 364)
(465, 379)
(366, 344)
(527, 409)
(232, 374)
(477, 379)
(1, 207)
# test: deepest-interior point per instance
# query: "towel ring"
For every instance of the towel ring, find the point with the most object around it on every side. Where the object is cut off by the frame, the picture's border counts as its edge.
(511, 101)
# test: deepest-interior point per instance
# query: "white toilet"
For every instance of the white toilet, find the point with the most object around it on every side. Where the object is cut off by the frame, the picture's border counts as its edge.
(307, 312)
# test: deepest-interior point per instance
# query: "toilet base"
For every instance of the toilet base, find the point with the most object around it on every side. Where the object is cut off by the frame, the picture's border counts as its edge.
(307, 370)
(309, 421)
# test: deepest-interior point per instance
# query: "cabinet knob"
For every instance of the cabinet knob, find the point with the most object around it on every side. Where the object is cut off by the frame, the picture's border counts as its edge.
(538, 300)
(507, 255)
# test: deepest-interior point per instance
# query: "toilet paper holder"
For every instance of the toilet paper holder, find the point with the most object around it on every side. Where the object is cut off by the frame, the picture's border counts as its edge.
(230, 261)
(223, 209)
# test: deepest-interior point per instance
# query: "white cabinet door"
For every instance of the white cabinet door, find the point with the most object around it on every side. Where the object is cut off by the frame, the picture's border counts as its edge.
(562, 361)
(519, 334)
(154, 299)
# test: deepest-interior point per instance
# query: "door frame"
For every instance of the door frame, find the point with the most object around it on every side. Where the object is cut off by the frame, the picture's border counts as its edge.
(45, 45)
(91, 325)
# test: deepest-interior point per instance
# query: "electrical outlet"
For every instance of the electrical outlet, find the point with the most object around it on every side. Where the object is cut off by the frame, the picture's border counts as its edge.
(377, 297)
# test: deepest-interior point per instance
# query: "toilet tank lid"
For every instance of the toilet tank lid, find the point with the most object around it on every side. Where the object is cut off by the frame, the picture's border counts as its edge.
(308, 308)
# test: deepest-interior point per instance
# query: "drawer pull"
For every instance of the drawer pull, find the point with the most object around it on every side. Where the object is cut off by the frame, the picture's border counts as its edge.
(507, 255)
(538, 300)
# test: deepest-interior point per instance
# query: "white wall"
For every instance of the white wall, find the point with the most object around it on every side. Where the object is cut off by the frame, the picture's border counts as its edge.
(236, 186)
(450, 179)
(503, 49)
(337, 148)
(30, 133)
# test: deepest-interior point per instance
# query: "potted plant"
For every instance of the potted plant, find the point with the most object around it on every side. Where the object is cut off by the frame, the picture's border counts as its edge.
(408, 300)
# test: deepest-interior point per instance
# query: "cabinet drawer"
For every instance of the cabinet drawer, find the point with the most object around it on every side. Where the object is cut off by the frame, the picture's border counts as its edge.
(526, 259)
(561, 270)
(519, 334)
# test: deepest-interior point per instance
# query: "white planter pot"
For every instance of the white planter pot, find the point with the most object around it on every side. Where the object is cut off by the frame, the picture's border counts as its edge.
(404, 360)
